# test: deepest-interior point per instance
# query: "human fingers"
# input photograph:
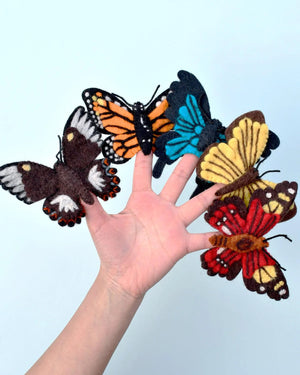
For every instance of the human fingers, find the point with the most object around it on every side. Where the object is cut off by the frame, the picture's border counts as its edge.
(199, 241)
(193, 208)
(142, 173)
(178, 179)
(95, 215)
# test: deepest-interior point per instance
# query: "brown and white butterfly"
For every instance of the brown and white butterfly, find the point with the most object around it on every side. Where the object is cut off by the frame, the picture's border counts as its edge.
(76, 174)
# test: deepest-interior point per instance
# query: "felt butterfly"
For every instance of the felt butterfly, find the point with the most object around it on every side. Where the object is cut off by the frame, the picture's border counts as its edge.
(241, 245)
(75, 175)
(272, 143)
(194, 129)
(133, 127)
(233, 163)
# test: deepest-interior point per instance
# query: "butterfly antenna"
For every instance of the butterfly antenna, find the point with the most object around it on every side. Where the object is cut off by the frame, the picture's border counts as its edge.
(278, 264)
(152, 97)
(278, 235)
(274, 170)
(59, 154)
(121, 97)
(270, 238)
(260, 162)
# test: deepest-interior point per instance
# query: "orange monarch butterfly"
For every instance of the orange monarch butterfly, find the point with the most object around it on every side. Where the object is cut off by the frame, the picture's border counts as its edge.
(132, 127)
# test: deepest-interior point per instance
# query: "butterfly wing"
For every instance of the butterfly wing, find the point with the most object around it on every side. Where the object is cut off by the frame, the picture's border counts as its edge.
(221, 261)
(156, 113)
(101, 179)
(279, 199)
(113, 116)
(107, 111)
(109, 152)
(28, 181)
(188, 84)
(262, 274)
(201, 185)
(272, 144)
(82, 141)
(160, 152)
(63, 208)
(228, 217)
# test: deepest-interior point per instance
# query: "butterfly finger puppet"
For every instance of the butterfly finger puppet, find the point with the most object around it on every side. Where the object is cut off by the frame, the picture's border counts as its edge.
(235, 163)
(241, 244)
(132, 127)
(194, 129)
(75, 175)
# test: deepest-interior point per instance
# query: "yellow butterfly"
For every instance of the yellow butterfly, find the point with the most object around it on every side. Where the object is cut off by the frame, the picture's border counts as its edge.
(233, 163)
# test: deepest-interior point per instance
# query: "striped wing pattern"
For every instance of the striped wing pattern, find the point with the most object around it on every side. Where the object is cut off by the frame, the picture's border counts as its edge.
(236, 222)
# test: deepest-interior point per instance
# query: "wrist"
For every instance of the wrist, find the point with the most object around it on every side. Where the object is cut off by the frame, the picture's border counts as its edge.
(115, 290)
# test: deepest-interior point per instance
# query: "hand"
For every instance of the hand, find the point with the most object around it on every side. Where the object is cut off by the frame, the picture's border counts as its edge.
(138, 246)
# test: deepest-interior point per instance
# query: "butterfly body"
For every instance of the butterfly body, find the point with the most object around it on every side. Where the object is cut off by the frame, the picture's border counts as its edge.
(241, 243)
(76, 174)
(132, 127)
(247, 178)
(142, 127)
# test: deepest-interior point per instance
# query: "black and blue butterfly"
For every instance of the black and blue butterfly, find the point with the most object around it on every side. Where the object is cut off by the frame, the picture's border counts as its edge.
(194, 129)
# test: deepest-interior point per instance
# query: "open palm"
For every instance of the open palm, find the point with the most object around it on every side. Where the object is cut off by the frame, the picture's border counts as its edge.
(138, 246)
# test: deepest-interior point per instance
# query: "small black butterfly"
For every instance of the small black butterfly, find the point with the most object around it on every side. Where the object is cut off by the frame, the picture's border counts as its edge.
(74, 176)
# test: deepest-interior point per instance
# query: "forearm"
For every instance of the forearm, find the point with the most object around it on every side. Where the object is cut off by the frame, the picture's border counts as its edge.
(87, 343)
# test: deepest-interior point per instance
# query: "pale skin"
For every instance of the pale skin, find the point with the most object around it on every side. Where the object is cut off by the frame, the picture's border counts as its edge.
(137, 248)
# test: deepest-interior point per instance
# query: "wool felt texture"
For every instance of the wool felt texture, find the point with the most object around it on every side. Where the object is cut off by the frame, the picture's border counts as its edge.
(272, 143)
(76, 174)
(194, 129)
(241, 245)
(131, 127)
(233, 163)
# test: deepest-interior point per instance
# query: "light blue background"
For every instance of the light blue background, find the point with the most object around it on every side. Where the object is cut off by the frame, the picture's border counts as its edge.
(246, 54)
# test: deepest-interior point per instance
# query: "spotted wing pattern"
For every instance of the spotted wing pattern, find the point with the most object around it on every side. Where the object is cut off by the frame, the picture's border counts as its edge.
(76, 174)
(132, 128)
(241, 245)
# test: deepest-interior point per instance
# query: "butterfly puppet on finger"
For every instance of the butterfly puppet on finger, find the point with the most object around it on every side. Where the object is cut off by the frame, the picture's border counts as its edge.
(131, 128)
(76, 174)
(194, 128)
(235, 162)
(241, 244)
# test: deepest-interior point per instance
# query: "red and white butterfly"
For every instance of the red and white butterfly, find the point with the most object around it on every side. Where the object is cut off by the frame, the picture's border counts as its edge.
(74, 176)
(241, 245)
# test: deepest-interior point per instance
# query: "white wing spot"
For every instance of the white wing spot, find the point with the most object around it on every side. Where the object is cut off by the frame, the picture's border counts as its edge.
(95, 178)
(226, 230)
(65, 203)
(291, 191)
